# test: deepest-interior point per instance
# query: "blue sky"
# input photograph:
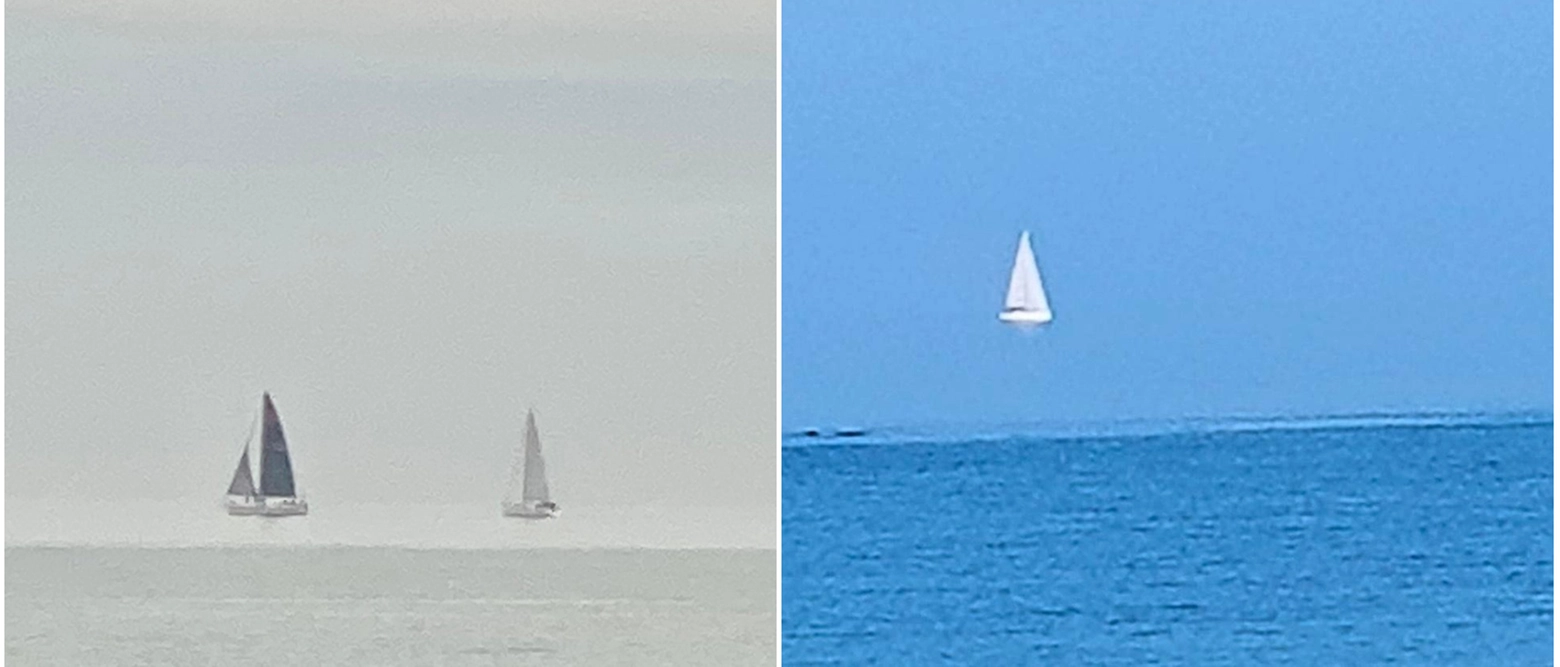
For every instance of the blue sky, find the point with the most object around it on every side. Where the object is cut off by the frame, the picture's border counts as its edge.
(1238, 208)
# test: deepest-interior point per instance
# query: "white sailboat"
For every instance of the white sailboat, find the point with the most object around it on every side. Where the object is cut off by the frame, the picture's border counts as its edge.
(278, 493)
(1026, 305)
(528, 496)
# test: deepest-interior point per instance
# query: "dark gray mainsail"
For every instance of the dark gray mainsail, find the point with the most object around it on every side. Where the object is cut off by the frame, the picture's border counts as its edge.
(276, 475)
(243, 483)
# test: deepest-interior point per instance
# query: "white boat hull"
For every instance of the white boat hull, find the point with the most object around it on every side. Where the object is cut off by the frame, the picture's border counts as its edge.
(237, 506)
(284, 507)
(275, 507)
(531, 511)
(1025, 318)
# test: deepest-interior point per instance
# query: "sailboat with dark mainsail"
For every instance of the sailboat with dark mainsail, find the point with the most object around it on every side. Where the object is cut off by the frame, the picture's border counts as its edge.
(527, 496)
(278, 493)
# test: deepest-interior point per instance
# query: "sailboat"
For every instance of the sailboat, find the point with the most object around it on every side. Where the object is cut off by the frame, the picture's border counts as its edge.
(527, 496)
(1026, 306)
(278, 493)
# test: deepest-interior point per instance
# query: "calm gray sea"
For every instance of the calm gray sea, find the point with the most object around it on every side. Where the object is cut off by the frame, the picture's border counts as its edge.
(181, 583)
(327, 605)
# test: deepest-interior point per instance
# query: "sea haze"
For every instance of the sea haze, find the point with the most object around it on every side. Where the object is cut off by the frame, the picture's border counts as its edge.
(204, 523)
(1363, 541)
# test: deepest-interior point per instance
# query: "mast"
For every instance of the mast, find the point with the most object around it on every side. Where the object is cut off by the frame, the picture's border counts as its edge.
(276, 475)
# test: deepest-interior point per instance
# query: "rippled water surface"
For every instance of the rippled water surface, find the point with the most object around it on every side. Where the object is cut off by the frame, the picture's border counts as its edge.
(275, 605)
(1354, 544)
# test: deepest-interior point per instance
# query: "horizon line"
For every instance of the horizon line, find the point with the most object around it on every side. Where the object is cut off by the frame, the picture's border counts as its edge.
(1229, 416)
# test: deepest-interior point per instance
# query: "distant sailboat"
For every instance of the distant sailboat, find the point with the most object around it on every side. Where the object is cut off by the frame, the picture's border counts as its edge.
(1026, 305)
(278, 494)
(528, 496)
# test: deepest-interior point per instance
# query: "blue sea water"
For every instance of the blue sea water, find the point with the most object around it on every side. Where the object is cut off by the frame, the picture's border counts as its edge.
(1344, 542)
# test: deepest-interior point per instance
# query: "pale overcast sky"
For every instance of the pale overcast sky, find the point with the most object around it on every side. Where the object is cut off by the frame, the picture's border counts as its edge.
(409, 224)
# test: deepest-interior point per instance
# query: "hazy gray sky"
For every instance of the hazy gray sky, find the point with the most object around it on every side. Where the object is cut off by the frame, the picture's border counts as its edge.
(409, 224)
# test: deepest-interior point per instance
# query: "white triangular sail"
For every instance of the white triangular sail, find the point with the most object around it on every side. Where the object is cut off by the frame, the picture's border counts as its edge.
(528, 472)
(1026, 302)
